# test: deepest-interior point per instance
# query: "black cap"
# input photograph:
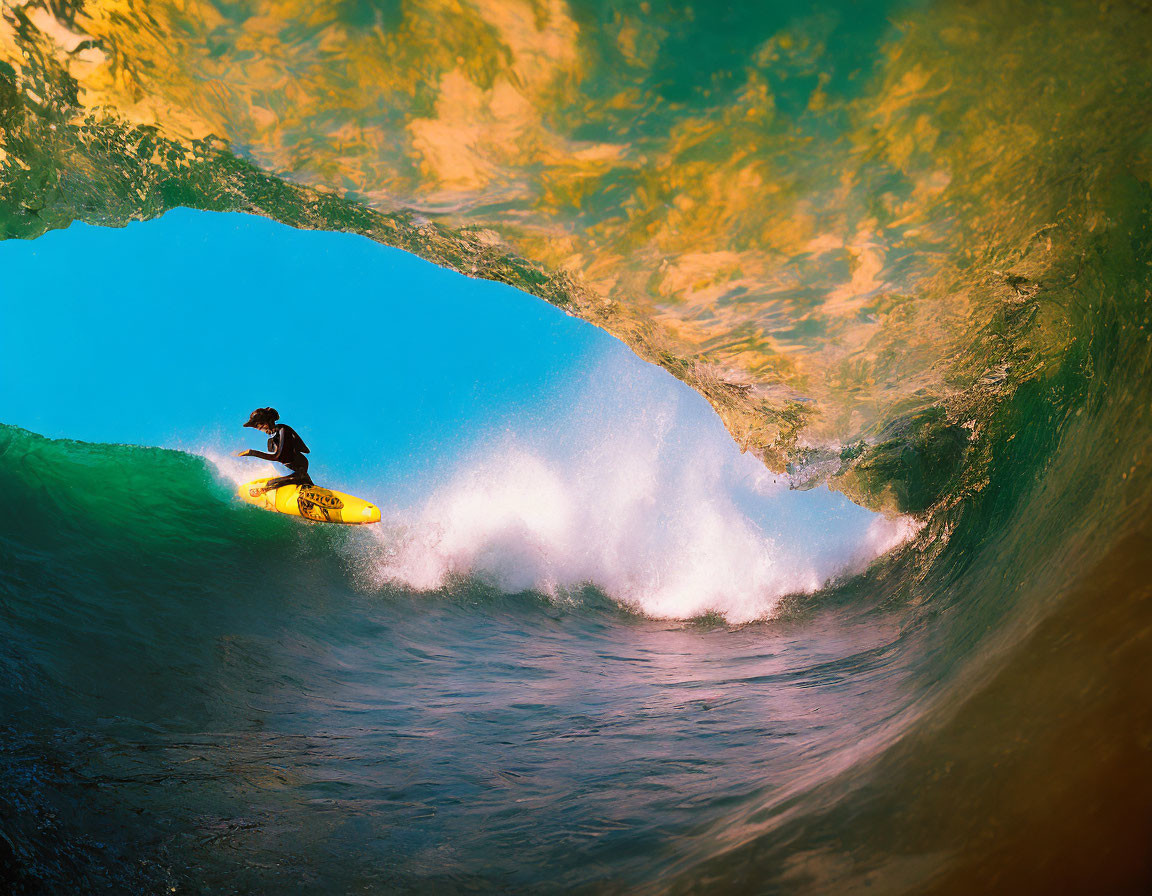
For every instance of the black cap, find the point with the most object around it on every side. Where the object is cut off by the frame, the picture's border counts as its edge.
(262, 415)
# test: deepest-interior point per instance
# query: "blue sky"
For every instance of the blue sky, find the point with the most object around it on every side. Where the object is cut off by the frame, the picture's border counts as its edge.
(169, 332)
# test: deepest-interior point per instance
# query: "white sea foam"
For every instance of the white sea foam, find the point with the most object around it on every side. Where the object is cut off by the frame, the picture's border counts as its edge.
(883, 535)
(652, 503)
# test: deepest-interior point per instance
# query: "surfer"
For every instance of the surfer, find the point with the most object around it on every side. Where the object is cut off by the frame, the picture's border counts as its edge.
(284, 447)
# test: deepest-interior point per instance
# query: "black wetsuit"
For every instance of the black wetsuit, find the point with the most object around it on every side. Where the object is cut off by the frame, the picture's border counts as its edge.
(286, 447)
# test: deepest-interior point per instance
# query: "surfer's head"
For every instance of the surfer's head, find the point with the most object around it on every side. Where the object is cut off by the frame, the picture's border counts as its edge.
(263, 419)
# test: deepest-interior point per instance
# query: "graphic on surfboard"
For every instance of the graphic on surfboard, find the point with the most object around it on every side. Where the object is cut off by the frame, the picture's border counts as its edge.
(321, 505)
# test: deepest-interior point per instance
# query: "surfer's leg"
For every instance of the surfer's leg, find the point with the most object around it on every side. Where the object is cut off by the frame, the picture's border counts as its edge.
(299, 469)
(293, 478)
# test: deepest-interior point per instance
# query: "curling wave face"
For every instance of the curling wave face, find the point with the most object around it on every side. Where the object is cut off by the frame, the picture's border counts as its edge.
(285, 693)
(926, 277)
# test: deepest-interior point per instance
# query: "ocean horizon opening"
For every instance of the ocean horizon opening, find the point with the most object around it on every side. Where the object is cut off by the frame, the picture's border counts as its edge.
(504, 440)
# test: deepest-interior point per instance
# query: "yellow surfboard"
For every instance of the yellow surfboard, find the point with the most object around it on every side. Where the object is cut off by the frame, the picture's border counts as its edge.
(310, 502)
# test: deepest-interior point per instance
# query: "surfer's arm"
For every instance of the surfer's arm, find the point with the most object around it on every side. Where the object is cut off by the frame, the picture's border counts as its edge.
(252, 452)
(282, 454)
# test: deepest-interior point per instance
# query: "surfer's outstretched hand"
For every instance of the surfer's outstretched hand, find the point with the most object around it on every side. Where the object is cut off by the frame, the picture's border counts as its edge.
(244, 453)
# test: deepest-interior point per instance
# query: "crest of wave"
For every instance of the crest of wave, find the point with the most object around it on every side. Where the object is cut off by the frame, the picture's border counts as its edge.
(648, 503)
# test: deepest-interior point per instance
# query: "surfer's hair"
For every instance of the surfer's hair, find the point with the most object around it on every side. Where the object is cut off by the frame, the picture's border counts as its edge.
(263, 416)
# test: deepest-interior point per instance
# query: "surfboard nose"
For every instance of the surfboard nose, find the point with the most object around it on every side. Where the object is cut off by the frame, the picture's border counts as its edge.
(370, 514)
